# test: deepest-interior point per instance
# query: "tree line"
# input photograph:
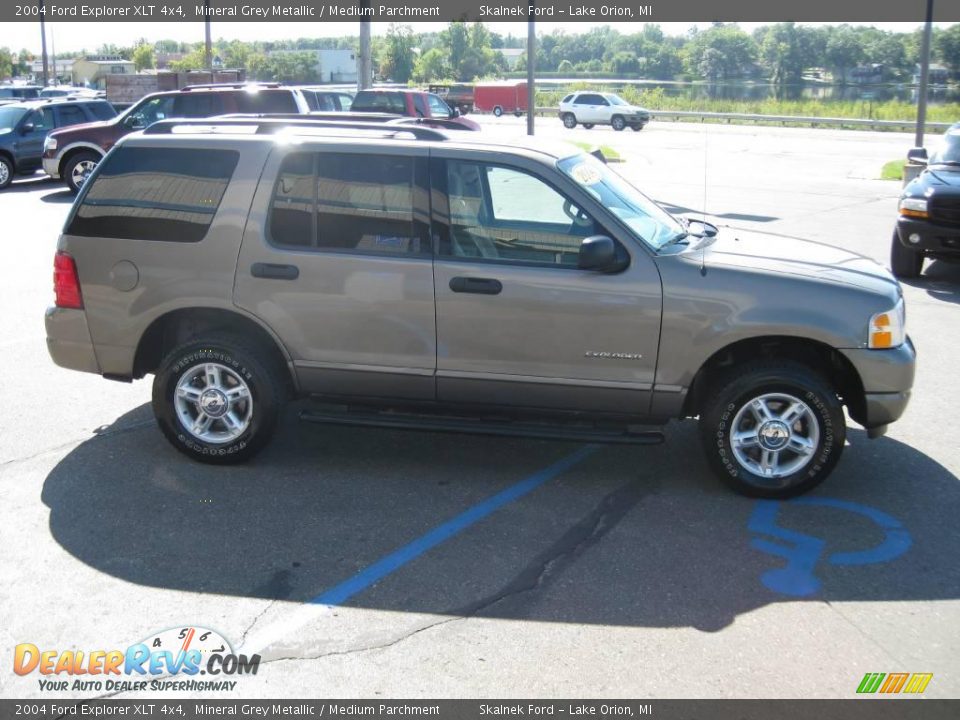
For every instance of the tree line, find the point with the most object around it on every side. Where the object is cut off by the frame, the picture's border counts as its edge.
(781, 53)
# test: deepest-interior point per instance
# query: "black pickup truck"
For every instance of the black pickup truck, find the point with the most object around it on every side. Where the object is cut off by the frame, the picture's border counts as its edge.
(929, 222)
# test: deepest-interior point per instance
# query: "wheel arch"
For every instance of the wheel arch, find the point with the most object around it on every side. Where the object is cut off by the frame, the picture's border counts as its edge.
(836, 369)
(72, 150)
(7, 155)
(183, 324)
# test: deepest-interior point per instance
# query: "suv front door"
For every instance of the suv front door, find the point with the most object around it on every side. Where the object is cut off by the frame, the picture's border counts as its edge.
(517, 322)
(336, 260)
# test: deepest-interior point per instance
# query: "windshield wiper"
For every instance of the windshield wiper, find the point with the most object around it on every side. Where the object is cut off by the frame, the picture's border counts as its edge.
(678, 238)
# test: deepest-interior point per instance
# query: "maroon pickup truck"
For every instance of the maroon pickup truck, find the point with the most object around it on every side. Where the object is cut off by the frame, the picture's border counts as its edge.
(411, 103)
(72, 154)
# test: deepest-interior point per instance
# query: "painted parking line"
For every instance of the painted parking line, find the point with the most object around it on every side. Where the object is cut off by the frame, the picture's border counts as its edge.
(389, 564)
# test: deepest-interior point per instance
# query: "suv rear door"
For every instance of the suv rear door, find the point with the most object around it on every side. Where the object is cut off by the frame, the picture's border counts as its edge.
(517, 322)
(336, 259)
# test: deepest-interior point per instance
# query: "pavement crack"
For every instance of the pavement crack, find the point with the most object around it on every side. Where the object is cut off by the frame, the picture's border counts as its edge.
(79, 441)
(256, 619)
(586, 533)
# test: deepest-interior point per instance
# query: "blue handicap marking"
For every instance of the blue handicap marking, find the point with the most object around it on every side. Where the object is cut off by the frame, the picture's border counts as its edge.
(802, 552)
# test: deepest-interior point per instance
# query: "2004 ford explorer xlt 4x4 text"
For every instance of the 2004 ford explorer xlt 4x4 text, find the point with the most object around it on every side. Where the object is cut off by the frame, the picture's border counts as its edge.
(417, 279)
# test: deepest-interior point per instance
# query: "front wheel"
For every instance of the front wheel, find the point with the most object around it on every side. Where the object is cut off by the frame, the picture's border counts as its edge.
(906, 263)
(6, 172)
(569, 121)
(773, 429)
(497, 111)
(78, 169)
(218, 400)
(618, 123)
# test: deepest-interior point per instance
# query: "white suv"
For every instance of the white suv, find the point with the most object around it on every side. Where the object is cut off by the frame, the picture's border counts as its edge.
(592, 108)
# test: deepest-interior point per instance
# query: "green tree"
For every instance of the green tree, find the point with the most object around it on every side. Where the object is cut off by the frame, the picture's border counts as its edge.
(455, 39)
(398, 62)
(843, 52)
(565, 66)
(722, 51)
(432, 65)
(947, 47)
(143, 57)
(6, 63)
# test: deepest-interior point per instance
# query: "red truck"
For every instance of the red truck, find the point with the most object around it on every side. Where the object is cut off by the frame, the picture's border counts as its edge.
(501, 97)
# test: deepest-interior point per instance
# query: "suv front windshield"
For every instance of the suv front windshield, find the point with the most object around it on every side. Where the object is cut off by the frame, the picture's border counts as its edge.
(9, 117)
(949, 151)
(654, 225)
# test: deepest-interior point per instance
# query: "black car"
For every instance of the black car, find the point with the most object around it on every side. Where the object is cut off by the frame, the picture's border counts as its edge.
(929, 223)
(24, 128)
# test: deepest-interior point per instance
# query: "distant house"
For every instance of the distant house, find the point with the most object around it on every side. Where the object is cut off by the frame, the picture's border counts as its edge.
(867, 74)
(939, 75)
(511, 56)
(333, 66)
(63, 70)
(93, 69)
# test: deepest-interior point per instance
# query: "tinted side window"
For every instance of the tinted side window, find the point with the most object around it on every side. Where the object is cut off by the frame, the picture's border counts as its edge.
(70, 115)
(198, 105)
(346, 101)
(155, 194)
(420, 106)
(502, 214)
(266, 101)
(380, 102)
(102, 110)
(345, 202)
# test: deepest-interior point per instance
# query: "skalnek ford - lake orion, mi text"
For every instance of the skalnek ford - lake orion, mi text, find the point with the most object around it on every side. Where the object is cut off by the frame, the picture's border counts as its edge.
(570, 11)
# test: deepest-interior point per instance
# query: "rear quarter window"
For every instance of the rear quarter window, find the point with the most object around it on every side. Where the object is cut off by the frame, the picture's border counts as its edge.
(102, 110)
(267, 101)
(162, 194)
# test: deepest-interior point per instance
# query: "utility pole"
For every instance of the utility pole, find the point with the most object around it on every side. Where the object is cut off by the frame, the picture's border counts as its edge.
(364, 61)
(208, 45)
(43, 46)
(924, 77)
(531, 61)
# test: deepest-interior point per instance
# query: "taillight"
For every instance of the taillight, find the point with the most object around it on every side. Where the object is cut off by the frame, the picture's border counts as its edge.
(66, 282)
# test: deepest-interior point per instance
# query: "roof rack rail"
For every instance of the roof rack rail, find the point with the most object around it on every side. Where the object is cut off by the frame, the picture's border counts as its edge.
(230, 86)
(270, 125)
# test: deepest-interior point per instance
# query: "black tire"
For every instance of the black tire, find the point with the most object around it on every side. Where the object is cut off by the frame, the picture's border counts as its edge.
(733, 392)
(618, 123)
(70, 169)
(905, 262)
(262, 376)
(637, 128)
(588, 126)
(497, 111)
(6, 172)
(569, 121)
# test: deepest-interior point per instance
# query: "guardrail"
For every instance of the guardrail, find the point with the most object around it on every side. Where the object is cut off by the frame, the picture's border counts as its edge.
(784, 119)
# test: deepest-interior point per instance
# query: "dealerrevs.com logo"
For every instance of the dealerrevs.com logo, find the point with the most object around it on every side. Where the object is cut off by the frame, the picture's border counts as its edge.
(152, 664)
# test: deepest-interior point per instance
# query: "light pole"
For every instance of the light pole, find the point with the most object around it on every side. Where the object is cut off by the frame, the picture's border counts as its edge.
(924, 77)
(43, 47)
(531, 61)
(364, 60)
(207, 47)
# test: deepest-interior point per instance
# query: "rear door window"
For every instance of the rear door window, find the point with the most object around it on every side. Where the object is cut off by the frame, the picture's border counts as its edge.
(159, 194)
(70, 115)
(266, 101)
(198, 105)
(102, 110)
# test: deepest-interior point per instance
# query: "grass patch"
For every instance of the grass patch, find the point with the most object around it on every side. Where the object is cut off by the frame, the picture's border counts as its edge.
(608, 152)
(892, 170)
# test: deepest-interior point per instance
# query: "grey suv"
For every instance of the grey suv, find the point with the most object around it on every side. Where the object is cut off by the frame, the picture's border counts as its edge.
(424, 280)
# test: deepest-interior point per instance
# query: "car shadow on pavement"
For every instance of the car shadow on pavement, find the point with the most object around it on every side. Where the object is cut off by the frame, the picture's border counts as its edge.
(941, 280)
(627, 536)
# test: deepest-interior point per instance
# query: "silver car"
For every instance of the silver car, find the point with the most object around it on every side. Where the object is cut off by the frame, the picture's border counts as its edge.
(429, 281)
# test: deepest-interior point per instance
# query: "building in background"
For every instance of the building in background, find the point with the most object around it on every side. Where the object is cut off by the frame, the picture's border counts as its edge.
(62, 73)
(92, 70)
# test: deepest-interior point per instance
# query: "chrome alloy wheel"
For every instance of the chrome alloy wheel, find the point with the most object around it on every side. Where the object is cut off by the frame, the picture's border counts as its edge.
(213, 403)
(81, 171)
(774, 435)
(4, 173)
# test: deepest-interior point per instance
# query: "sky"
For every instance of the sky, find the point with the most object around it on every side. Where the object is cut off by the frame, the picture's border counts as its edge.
(67, 36)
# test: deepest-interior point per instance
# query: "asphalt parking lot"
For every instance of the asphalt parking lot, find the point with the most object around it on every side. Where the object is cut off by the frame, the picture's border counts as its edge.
(364, 563)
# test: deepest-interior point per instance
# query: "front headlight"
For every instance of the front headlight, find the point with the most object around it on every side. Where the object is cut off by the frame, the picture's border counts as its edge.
(887, 329)
(914, 207)
(49, 144)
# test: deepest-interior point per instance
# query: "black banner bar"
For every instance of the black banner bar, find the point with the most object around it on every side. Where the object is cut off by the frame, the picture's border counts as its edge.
(403, 11)
(190, 709)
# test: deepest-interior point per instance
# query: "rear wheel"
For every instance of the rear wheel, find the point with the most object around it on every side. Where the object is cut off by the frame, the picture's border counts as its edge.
(772, 429)
(78, 169)
(6, 172)
(618, 123)
(905, 262)
(497, 111)
(218, 400)
(569, 121)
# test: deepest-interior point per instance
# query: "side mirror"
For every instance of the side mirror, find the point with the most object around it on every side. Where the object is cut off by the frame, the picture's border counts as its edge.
(27, 128)
(134, 122)
(601, 253)
(455, 112)
(917, 156)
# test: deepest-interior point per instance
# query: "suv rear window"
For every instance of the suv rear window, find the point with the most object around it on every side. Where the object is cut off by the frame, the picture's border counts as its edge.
(345, 202)
(155, 194)
(267, 101)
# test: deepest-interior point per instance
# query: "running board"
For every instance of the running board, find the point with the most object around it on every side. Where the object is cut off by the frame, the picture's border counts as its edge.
(433, 423)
